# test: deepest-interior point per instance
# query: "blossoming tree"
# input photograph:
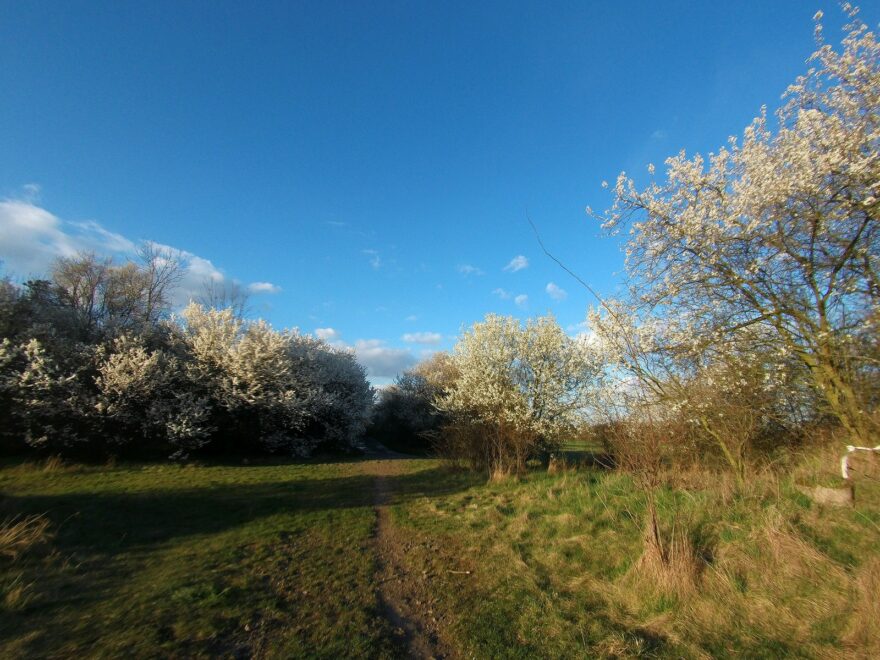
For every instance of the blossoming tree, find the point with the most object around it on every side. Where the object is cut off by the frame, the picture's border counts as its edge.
(777, 234)
(519, 387)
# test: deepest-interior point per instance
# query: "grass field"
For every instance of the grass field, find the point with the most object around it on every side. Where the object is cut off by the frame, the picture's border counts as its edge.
(558, 571)
(280, 560)
(195, 561)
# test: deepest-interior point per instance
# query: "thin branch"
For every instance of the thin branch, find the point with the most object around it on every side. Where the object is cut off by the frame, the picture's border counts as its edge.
(569, 270)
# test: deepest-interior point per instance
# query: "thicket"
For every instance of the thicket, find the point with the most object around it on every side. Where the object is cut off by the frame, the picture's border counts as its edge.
(405, 417)
(92, 363)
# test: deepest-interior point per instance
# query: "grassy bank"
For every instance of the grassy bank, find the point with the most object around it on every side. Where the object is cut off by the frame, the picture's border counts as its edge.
(556, 566)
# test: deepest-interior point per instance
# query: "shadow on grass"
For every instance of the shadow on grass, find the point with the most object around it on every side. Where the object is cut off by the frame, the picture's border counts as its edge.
(102, 538)
(109, 523)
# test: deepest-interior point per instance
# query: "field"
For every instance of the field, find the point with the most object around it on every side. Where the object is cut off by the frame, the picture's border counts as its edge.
(382, 557)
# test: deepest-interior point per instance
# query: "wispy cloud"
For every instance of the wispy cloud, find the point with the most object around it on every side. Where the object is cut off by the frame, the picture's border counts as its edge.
(468, 269)
(659, 134)
(31, 237)
(428, 338)
(30, 192)
(522, 300)
(556, 292)
(107, 240)
(502, 293)
(375, 259)
(411, 318)
(382, 362)
(263, 287)
(517, 263)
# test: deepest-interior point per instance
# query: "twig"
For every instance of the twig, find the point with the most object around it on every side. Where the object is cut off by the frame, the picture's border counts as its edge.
(623, 329)
(567, 269)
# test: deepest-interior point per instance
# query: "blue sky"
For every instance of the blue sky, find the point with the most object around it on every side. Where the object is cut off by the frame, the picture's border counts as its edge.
(368, 168)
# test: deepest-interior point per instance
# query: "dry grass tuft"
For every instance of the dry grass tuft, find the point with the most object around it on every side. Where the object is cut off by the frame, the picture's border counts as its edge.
(670, 562)
(559, 465)
(863, 631)
(17, 535)
(53, 464)
(500, 475)
(623, 645)
(790, 555)
(17, 594)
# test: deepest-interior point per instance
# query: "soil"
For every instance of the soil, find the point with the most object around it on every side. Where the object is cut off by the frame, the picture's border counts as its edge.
(404, 595)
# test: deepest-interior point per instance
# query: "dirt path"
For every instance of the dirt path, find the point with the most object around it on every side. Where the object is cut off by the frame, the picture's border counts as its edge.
(403, 596)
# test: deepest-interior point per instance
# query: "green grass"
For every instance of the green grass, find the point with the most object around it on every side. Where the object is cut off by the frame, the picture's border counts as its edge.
(556, 571)
(194, 561)
(277, 560)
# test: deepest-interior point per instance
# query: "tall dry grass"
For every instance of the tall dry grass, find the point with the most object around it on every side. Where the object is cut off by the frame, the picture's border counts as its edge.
(19, 534)
(739, 565)
(863, 629)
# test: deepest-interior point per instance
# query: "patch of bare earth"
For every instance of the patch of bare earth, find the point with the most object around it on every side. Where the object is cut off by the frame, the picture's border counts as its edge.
(404, 593)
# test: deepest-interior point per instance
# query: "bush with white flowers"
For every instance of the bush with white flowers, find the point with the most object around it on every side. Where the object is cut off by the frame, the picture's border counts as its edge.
(519, 389)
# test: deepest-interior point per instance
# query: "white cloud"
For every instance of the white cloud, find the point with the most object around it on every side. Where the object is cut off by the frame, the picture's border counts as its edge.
(264, 287)
(588, 337)
(467, 269)
(105, 241)
(32, 238)
(583, 332)
(429, 338)
(196, 273)
(556, 292)
(521, 300)
(411, 318)
(327, 334)
(501, 293)
(375, 259)
(382, 361)
(517, 263)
